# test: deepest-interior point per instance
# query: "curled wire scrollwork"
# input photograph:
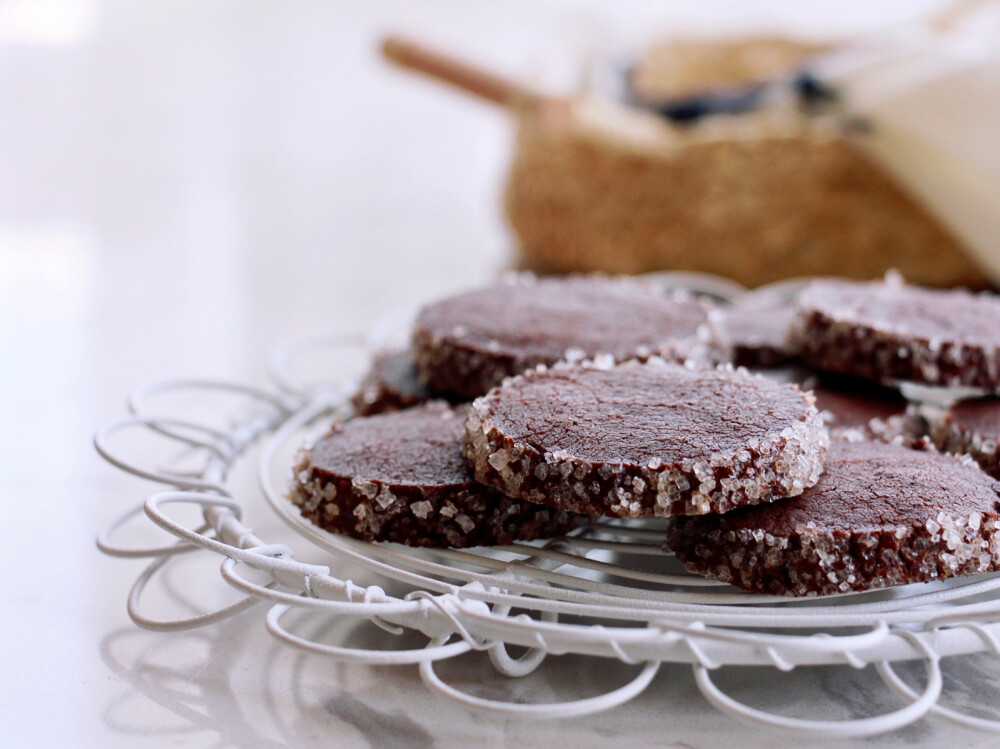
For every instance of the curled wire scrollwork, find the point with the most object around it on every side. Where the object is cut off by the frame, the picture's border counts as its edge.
(463, 601)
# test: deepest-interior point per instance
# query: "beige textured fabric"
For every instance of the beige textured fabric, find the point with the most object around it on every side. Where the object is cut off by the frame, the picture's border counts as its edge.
(689, 66)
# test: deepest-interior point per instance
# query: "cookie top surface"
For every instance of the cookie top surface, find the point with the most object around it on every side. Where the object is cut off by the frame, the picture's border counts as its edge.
(397, 372)
(392, 383)
(979, 415)
(873, 486)
(763, 325)
(748, 328)
(854, 403)
(543, 319)
(847, 401)
(636, 413)
(905, 311)
(420, 446)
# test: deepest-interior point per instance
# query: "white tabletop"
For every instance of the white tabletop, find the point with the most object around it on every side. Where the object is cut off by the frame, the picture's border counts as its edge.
(183, 186)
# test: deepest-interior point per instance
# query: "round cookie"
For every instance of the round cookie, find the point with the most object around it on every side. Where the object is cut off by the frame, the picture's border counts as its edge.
(850, 403)
(972, 427)
(756, 335)
(391, 384)
(638, 440)
(469, 343)
(880, 515)
(854, 408)
(889, 331)
(401, 477)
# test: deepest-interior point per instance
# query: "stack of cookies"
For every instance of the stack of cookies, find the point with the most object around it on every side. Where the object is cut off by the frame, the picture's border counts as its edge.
(524, 409)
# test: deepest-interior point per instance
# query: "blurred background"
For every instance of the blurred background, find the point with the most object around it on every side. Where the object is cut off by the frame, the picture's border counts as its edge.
(184, 185)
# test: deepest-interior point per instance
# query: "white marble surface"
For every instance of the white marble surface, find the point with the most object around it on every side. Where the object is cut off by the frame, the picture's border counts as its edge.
(184, 185)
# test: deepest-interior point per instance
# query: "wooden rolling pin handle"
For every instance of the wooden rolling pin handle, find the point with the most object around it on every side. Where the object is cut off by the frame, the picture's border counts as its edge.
(474, 80)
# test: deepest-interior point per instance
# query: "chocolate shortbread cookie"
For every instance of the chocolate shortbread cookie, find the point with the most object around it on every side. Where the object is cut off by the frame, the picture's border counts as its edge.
(855, 408)
(391, 384)
(469, 343)
(851, 403)
(880, 515)
(637, 440)
(972, 427)
(756, 335)
(401, 477)
(889, 331)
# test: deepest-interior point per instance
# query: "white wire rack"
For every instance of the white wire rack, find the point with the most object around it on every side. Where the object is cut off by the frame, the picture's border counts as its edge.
(604, 590)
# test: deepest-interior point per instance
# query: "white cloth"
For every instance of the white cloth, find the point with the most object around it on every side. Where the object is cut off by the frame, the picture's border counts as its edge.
(932, 94)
